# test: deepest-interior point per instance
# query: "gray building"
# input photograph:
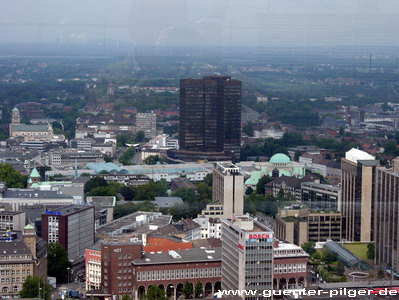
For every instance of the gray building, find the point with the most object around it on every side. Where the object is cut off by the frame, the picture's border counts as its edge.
(386, 216)
(228, 189)
(12, 220)
(247, 256)
(72, 226)
(317, 196)
(62, 159)
(14, 198)
(147, 122)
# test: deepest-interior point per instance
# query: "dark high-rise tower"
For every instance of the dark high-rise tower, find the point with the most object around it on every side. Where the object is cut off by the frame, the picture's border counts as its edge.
(210, 115)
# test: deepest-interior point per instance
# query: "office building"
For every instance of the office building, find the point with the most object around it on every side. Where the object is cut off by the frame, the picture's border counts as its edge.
(386, 216)
(358, 171)
(16, 198)
(73, 158)
(12, 220)
(93, 267)
(247, 255)
(210, 115)
(72, 226)
(317, 196)
(297, 225)
(147, 122)
(23, 254)
(228, 189)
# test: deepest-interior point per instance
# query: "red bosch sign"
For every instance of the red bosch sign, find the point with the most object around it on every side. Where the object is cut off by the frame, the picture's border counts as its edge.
(257, 236)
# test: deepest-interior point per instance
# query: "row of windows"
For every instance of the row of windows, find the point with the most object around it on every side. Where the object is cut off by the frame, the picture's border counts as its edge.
(14, 257)
(15, 272)
(12, 266)
(179, 274)
(6, 290)
(13, 279)
(289, 268)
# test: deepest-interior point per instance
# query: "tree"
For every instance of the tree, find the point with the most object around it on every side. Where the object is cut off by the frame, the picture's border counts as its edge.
(151, 190)
(57, 262)
(129, 208)
(126, 297)
(103, 191)
(12, 177)
(155, 293)
(152, 160)
(249, 191)
(140, 136)
(30, 288)
(340, 270)
(248, 129)
(186, 194)
(308, 247)
(198, 289)
(328, 256)
(127, 156)
(108, 158)
(123, 139)
(370, 250)
(188, 289)
(297, 155)
(208, 179)
(391, 148)
(94, 182)
(260, 186)
(127, 192)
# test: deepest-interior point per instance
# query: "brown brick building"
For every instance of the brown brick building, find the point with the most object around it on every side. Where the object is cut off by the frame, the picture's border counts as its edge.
(127, 270)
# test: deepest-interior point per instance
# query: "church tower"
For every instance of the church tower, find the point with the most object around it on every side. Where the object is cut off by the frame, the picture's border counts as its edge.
(15, 119)
(34, 178)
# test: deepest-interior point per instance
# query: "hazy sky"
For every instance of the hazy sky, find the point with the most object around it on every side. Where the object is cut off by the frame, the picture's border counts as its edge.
(202, 22)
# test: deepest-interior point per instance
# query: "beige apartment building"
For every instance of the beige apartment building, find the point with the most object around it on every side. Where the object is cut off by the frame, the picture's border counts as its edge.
(386, 216)
(228, 190)
(358, 170)
(297, 224)
(21, 254)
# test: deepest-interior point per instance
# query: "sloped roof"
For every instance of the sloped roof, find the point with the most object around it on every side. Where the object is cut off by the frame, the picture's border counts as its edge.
(34, 174)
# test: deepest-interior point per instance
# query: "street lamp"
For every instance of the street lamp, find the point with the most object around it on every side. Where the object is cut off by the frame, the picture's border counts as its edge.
(68, 281)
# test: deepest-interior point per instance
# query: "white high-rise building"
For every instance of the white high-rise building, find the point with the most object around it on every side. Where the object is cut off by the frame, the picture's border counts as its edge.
(247, 257)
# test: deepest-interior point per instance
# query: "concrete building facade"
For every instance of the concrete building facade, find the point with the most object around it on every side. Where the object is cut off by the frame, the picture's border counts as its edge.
(72, 226)
(247, 256)
(298, 225)
(357, 182)
(228, 188)
(386, 215)
(147, 122)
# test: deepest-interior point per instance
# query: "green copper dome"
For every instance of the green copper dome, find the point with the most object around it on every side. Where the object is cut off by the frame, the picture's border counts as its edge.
(280, 158)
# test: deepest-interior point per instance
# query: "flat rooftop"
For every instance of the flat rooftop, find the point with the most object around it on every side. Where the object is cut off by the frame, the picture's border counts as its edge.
(69, 209)
(32, 193)
(194, 255)
(9, 212)
(138, 222)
